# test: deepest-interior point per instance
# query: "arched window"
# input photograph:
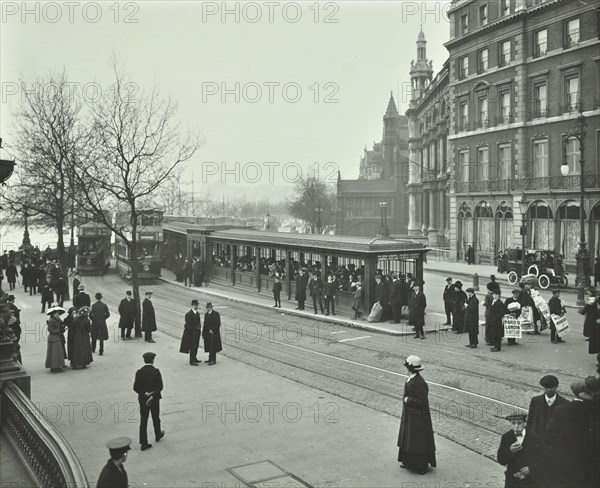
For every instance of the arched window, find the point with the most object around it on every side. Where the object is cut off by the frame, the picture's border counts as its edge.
(485, 229)
(465, 220)
(540, 226)
(504, 226)
(569, 228)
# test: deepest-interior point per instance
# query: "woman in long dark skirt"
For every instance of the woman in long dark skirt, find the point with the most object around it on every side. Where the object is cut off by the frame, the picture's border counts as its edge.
(81, 355)
(591, 325)
(69, 325)
(415, 440)
(55, 355)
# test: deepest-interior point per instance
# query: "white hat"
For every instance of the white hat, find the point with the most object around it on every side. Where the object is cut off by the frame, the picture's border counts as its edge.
(60, 310)
(414, 362)
(514, 306)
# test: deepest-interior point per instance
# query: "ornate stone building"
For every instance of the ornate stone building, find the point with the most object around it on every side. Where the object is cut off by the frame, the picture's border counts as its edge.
(382, 177)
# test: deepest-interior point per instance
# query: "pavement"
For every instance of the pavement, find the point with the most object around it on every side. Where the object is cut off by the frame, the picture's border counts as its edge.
(230, 425)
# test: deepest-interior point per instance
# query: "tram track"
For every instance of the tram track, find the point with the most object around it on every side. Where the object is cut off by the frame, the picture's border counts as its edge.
(477, 429)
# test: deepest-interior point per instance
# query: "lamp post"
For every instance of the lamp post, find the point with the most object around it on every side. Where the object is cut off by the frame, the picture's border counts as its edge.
(383, 228)
(523, 204)
(582, 280)
(319, 209)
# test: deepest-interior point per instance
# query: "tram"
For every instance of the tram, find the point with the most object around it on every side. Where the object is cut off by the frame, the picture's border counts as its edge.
(149, 238)
(93, 248)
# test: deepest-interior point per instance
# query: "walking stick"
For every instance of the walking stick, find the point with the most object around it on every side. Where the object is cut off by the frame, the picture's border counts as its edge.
(212, 336)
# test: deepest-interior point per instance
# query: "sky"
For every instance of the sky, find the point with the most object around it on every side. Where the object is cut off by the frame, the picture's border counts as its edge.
(277, 89)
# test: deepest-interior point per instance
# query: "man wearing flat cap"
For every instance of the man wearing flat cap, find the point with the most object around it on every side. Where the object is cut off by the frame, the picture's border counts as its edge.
(148, 317)
(148, 385)
(448, 297)
(113, 475)
(573, 438)
(212, 334)
(543, 406)
(521, 451)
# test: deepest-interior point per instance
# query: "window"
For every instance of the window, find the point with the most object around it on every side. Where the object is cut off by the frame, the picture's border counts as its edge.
(483, 18)
(504, 162)
(505, 7)
(505, 53)
(504, 102)
(541, 42)
(540, 158)
(464, 67)
(572, 33)
(464, 24)
(463, 164)
(483, 60)
(540, 100)
(572, 155)
(483, 112)
(572, 93)
(482, 163)
(464, 116)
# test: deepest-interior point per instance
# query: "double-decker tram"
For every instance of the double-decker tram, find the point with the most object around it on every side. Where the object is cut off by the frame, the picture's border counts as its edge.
(93, 248)
(149, 239)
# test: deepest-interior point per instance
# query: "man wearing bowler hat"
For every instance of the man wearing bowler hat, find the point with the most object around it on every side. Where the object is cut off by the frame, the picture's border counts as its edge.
(543, 406)
(113, 475)
(148, 385)
(211, 334)
(148, 317)
(521, 451)
(127, 315)
(419, 304)
(191, 334)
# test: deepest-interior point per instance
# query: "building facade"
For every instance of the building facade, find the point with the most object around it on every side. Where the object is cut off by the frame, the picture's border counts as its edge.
(383, 174)
(499, 122)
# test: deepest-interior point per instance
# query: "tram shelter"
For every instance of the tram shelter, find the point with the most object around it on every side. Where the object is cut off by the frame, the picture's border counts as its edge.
(372, 254)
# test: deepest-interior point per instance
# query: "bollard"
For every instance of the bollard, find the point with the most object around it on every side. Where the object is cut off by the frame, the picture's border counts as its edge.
(476, 282)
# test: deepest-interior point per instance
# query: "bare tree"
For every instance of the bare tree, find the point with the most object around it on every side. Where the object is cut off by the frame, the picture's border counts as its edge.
(135, 149)
(314, 203)
(48, 137)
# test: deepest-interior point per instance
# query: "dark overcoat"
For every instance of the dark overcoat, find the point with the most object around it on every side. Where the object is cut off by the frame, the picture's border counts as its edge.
(212, 322)
(531, 456)
(592, 313)
(540, 413)
(460, 297)
(98, 315)
(419, 304)
(112, 477)
(127, 313)
(148, 379)
(148, 316)
(191, 332)
(381, 293)
(11, 273)
(396, 292)
(82, 299)
(496, 312)
(416, 429)
(404, 293)
(472, 315)
(316, 287)
(81, 354)
(301, 282)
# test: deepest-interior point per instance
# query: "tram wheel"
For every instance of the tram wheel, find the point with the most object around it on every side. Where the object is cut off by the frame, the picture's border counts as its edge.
(544, 282)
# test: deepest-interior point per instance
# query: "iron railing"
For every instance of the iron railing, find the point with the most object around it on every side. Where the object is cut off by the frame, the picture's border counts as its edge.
(47, 456)
(572, 182)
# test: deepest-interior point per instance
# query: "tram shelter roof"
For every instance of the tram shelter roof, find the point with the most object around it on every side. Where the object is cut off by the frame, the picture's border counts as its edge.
(338, 244)
(185, 228)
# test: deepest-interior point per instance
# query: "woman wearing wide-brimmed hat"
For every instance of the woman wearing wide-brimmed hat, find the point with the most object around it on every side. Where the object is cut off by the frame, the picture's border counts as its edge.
(55, 355)
(460, 298)
(415, 440)
(82, 348)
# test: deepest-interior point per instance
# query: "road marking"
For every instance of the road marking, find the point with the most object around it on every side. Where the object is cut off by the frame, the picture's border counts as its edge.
(339, 332)
(354, 338)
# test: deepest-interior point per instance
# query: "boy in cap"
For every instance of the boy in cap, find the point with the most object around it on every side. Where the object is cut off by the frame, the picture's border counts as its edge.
(113, 475)
(543, 406)
(148, 385)
(521, 452)
(557, 307)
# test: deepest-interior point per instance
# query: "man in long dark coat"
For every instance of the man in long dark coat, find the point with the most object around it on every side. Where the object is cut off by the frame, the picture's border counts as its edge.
(316, 292)
(496, 327)
(191, 334)
(419, 304)
(381, 295)
(148, 385)
(448, 297)
(396, 299)
(148, 317)
(11, 275)
(60, 287)
(415, 439)
(99, 331)
(113, 475)
(522, 452)
(211, 334)
(82, 299)
(472, 318)
(460, 298)
(127, 315)
(301, 283)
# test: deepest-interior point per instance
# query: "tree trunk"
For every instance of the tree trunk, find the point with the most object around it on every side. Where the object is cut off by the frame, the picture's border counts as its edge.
(135, 281)
(62, 255)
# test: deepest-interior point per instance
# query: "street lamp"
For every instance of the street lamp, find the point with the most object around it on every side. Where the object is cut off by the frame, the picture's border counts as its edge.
(523, 204)
(383, 230)
(318, 209)
(583, 257)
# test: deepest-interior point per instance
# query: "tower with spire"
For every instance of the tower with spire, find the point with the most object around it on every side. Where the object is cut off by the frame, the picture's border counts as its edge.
(421, 70)
(391, 128)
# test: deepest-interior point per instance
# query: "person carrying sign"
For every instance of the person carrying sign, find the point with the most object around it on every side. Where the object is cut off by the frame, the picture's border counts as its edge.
(514, 310)
(557, 307)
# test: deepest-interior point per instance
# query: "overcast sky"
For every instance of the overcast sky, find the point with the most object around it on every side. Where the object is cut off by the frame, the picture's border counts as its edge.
(308, 83)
